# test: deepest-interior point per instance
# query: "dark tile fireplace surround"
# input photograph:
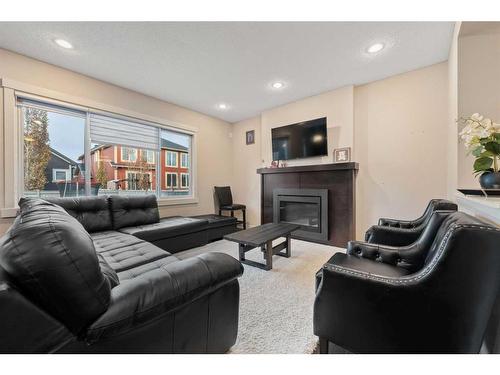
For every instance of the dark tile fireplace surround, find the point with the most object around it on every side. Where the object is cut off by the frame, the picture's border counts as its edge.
(320, 198)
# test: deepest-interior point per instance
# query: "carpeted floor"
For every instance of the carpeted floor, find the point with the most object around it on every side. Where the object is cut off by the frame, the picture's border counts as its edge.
(276, 307)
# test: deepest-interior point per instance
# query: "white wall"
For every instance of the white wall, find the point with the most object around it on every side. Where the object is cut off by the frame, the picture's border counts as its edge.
(393, 126)
(452, 136)
(214, 145)
(397, 128)
(336, 105)
(400, 143)
(246, 160)
(478, 87)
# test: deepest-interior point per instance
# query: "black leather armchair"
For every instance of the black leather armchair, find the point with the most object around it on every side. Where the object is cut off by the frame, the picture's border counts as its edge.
(404, 232)
(435, 300)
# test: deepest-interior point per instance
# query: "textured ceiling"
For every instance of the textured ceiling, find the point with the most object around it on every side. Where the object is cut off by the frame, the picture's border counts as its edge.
(200, 64)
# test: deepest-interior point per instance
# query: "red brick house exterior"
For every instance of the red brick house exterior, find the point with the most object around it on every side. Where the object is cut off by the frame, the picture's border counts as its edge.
(122, 165)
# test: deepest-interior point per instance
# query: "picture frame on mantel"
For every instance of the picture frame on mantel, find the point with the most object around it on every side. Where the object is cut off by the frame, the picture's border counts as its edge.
(342, 155)
(250, 137)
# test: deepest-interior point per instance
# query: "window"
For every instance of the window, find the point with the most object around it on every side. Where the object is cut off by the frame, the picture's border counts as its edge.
(138, 181)
(184, 160)
(178, 148)
(61, 175)
(121, 156)
(116, 177)
(53, 148)
(129, 154)
(148, 156)
(171, 179)
(172, 158)
(184, 180)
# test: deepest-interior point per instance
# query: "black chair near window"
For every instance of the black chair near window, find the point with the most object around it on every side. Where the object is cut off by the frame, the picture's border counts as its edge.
(225, 199)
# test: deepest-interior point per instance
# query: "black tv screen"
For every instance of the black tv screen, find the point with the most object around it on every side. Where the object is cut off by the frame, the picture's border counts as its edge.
(300, 140)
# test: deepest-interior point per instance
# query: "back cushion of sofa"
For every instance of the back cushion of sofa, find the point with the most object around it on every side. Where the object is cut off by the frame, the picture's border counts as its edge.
(131, 211)
(92, 212)
(52, 259)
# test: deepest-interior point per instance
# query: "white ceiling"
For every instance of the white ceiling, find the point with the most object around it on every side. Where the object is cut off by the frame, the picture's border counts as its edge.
(200, 64)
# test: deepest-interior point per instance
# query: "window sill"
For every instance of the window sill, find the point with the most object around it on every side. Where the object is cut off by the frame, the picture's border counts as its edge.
(6, 213)
(163, 202)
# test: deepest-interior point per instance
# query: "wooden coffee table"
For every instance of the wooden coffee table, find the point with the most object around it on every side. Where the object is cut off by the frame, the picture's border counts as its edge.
(263, 236)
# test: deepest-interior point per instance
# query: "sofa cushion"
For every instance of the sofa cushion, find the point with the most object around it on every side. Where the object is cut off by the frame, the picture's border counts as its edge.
(129, 211)
(216, 221)
(122, 251)
(167, 227)
(92, 212)
(107, 271)
(52, 259)
(138, 271)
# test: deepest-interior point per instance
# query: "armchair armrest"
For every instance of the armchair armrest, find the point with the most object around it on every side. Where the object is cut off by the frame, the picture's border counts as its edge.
(396, 223)
(361, 309)
(160, 291)
(409, 257)
(393, 236)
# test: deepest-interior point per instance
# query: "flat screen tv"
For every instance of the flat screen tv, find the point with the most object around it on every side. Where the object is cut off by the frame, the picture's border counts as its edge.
(301, 140)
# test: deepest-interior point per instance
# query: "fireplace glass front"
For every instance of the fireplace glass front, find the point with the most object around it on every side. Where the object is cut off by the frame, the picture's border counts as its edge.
(305, 214)
(304, 207)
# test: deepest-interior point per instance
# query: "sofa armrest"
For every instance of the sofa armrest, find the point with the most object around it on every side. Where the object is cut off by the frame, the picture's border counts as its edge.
(25, 327)
(158, 292)
(392, 236)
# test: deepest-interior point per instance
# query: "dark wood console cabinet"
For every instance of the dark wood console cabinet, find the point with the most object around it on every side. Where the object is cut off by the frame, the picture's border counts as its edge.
(338, 178)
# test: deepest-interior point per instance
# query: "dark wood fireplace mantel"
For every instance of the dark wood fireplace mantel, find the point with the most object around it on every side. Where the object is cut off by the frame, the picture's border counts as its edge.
(340, 181)
(311, 168)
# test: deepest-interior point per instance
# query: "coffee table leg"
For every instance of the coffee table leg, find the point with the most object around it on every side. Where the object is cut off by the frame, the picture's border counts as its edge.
(288, 251)
(241, 249)
(269, 255)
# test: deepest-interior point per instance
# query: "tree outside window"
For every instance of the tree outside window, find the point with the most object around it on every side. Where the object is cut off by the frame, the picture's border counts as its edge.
(36, 148)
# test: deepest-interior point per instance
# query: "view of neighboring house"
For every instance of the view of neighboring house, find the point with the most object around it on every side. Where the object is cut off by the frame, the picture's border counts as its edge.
(124, 166)
(174, 166)
(60, 168)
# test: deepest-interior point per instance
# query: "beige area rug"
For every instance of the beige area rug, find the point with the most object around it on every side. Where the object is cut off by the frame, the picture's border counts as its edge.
(276, 307)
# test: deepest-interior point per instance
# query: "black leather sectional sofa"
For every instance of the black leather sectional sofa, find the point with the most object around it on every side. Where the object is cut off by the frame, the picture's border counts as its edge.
(97, 275)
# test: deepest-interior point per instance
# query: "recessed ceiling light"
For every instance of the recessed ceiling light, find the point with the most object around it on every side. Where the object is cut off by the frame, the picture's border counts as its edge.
(63, 43)
(277, 85)
(222, 106)
(374, 48)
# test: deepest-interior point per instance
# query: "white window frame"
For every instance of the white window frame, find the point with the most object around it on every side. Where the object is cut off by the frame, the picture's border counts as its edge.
(147, 153)
(128, 148)
(167, 152)
(182, 185)
(13, 150)
(184, 157)
(176, 180)
(66, 171)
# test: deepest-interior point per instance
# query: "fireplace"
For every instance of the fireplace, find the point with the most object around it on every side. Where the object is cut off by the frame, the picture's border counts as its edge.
(305, 207)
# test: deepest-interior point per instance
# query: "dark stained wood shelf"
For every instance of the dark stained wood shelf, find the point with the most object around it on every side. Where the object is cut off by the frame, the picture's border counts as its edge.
(311, 168)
